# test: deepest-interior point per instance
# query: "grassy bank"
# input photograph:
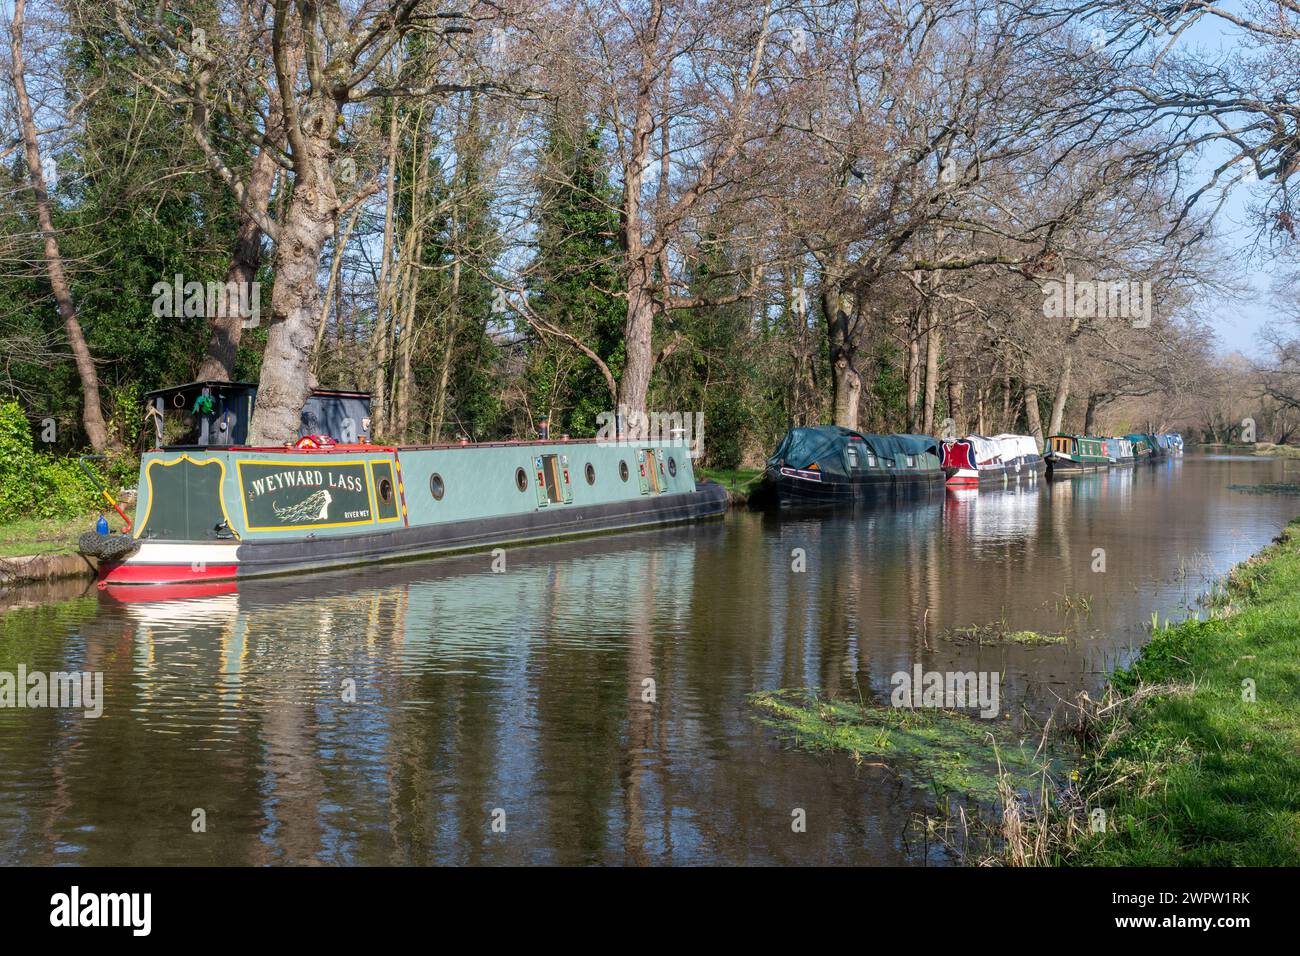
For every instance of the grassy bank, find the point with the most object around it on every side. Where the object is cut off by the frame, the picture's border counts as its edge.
(1202, 774)
(47, 535)
(1276, 451)
(736, 479)
(1263, 448)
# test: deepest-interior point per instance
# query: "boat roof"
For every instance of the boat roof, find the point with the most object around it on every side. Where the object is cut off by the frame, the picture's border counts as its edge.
(444, 446)
(1017, 445)
(802, 446)
(210, 384)
(214, 385)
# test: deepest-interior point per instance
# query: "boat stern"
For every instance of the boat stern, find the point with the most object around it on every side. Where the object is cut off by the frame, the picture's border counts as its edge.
(183, 531)
(959, 464)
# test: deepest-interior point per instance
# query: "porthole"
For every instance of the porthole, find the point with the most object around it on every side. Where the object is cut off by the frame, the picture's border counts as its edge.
(672, 466)
(436, 487)
(521, 479)
(385, 490)
(590, 472)
(622, 470)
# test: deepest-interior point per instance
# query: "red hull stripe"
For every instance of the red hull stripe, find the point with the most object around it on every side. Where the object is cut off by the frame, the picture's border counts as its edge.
(166, 573)
(132, 593)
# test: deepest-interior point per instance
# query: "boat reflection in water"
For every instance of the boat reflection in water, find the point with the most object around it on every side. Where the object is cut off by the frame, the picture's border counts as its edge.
(992, 515)
(393, 713)
(594, 693)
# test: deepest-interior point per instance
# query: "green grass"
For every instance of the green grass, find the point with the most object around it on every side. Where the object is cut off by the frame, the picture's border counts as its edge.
(739, 479)
(47, 535)
(1205, 777)
(941, 750)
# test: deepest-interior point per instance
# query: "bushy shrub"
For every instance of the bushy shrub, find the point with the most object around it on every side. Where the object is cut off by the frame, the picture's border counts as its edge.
(35, 484)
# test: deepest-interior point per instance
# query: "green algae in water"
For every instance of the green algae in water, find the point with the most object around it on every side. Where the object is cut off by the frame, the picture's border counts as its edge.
(1268, 488)
(946, 750)
(992, 635)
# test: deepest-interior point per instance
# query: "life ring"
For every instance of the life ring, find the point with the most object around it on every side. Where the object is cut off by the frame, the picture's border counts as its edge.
(315, 441)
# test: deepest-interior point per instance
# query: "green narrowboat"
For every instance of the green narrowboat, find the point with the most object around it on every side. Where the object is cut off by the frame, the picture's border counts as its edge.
(1075, 454)
(1144, 447)
(212, 510)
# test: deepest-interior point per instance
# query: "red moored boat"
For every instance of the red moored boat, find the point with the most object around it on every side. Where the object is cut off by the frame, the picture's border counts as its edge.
(975, 459)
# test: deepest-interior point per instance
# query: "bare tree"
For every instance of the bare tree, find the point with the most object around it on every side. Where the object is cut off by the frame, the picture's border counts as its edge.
(92, 417)
(324, 59)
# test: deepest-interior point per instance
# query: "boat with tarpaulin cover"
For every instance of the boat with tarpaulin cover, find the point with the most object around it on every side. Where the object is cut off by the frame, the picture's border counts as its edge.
(830, 464)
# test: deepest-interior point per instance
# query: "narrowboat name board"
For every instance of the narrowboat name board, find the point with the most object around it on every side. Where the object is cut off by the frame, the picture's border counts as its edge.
(284, 495)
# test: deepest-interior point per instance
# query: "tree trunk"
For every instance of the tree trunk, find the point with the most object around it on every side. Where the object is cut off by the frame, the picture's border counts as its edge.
(1007, 422)
(845, 380)
(914, 369)
(331, 293)
(933, 339)
(1090, 413)
(310, 218)
(956, 394)
(218, 363)
(383, 296)
(1062, 394)
(92, 418)
(451, 327)
(638, 333)
(404, 382)
(634, 386)
(1032, 416)
(1063, 382)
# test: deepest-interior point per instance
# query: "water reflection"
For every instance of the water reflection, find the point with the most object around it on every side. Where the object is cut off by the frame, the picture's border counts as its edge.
(590, 701)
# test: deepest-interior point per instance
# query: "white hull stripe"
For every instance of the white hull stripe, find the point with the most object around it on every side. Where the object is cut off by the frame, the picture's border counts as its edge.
(153, 552)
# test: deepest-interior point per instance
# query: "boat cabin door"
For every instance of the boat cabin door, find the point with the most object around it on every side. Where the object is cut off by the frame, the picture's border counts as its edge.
(643, 470)
(552, 480)
(652, 471)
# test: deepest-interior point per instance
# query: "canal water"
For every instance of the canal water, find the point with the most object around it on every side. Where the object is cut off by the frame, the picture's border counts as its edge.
(443, 712)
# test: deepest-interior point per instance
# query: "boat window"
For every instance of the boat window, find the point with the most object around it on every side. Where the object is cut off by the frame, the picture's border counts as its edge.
(622, 470)
(436, 487)
(385, 490)
(672, 466)
(911, 461)
(590, 472)
(521, 479)
(853, 456)
(871, 460)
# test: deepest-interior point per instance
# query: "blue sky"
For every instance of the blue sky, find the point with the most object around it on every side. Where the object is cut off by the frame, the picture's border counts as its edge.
(1237, 322)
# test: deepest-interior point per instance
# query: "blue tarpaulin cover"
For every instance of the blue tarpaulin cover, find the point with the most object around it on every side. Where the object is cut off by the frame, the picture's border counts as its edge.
(824, 446)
